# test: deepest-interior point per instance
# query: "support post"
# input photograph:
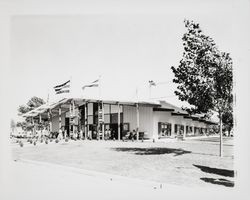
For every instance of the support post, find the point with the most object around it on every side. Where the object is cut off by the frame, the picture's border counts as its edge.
(85, 121)
(73, 117)
(60, 118)
(70, 116)
(137, 121)
(32, 121)
(172, 129)
(221, 135)
(185, 131)
(119, 126)
(102, 120)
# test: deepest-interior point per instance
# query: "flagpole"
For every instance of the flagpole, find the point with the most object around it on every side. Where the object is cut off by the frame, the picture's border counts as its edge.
(70, 87)
(100, 97)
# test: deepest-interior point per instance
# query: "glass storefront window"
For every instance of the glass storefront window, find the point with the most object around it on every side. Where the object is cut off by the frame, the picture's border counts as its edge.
(164, 129)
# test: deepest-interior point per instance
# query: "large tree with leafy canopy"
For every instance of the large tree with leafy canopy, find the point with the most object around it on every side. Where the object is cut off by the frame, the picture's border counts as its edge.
(33, 103)
(204, 75)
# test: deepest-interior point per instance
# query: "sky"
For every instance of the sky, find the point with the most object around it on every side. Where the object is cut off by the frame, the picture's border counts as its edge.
(125, 49)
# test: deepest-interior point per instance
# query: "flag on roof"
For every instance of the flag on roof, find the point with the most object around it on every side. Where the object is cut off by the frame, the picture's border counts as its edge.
(92, 84)
(63, 88)
(152, 83)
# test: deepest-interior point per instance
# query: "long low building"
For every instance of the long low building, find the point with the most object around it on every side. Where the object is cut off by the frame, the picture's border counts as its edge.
(153, 120)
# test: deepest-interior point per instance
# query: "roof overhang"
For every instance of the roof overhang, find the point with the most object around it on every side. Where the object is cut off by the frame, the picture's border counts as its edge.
(163, 109)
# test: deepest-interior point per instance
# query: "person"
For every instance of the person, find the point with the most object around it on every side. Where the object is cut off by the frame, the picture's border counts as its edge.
(60, 136)
(109, 134)
(81, 134)
(134, 134)
(39, 133)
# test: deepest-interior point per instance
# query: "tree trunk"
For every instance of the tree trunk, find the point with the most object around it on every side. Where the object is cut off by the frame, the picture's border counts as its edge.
(221, 135)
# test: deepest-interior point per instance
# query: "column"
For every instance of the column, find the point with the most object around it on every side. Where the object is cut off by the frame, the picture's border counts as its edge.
(70, 116)
(185, 131)
(98, 121)
(32, 121)
(137, 121)
(172, 129)
(119, 126)
(102, 120)
(50, 120)
(86, 121)
(60, 118)
(73, 117)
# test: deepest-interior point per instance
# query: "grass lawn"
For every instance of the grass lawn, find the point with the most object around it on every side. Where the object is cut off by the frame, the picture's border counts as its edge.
(187, 163)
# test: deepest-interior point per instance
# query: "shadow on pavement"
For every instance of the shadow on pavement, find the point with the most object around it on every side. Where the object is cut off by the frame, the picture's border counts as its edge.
(152, 151)
(222, 172)
(219, 181)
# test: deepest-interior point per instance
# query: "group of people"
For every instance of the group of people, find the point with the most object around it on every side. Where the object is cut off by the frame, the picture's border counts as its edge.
(43, 133)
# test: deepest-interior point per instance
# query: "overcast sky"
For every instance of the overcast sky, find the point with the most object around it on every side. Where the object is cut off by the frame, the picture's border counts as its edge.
(126, 49)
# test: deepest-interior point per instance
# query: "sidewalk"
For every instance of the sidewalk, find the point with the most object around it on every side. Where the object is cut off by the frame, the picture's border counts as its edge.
(35, 180)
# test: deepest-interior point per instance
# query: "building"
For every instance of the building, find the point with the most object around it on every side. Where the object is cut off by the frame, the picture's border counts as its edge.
(150, 120)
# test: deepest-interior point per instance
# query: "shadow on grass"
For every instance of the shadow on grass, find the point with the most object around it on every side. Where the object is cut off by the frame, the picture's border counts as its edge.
(222, 172)
(152, 151)
(220, 181)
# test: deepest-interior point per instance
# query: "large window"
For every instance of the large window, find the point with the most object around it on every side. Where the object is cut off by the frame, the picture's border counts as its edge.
(179, 129)
(164, 129)
(189, 130)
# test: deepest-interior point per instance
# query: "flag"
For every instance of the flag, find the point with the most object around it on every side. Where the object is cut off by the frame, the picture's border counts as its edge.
(63, 88)
(152, 83)
(92, 84)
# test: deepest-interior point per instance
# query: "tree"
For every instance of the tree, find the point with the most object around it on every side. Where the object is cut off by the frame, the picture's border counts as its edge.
(33, 103)
(204, 75)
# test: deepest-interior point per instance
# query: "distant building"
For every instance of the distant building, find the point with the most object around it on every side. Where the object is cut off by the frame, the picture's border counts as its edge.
(152, 120)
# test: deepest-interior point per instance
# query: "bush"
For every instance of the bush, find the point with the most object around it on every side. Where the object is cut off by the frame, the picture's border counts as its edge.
(34, 143)
(56, 140)
(21, 144)
(66, 140)
(46, 142)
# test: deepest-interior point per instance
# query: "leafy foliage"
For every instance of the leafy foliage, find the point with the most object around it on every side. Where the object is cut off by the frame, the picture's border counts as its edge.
(34, 102)
(204, 75)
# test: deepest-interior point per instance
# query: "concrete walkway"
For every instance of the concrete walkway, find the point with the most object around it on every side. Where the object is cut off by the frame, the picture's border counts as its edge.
(35, 180)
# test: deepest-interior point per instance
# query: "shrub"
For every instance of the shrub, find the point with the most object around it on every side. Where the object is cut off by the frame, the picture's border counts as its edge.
(56, 140)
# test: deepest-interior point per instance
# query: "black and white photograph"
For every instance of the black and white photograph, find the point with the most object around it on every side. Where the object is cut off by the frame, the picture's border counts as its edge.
(124, 99)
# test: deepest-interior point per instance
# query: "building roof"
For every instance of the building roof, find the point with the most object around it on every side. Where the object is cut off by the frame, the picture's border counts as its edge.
(157, 106)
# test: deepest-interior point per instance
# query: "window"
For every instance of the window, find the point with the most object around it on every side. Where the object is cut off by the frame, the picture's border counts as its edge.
(164, 129)
(179, 129)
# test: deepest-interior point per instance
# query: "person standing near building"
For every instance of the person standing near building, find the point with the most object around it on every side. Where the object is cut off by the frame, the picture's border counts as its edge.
(60, 135)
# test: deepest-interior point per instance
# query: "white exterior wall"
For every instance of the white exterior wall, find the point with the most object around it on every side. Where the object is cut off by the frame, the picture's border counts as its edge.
(165, 116)
(162, 116)
(55, 122)
(145, 118)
